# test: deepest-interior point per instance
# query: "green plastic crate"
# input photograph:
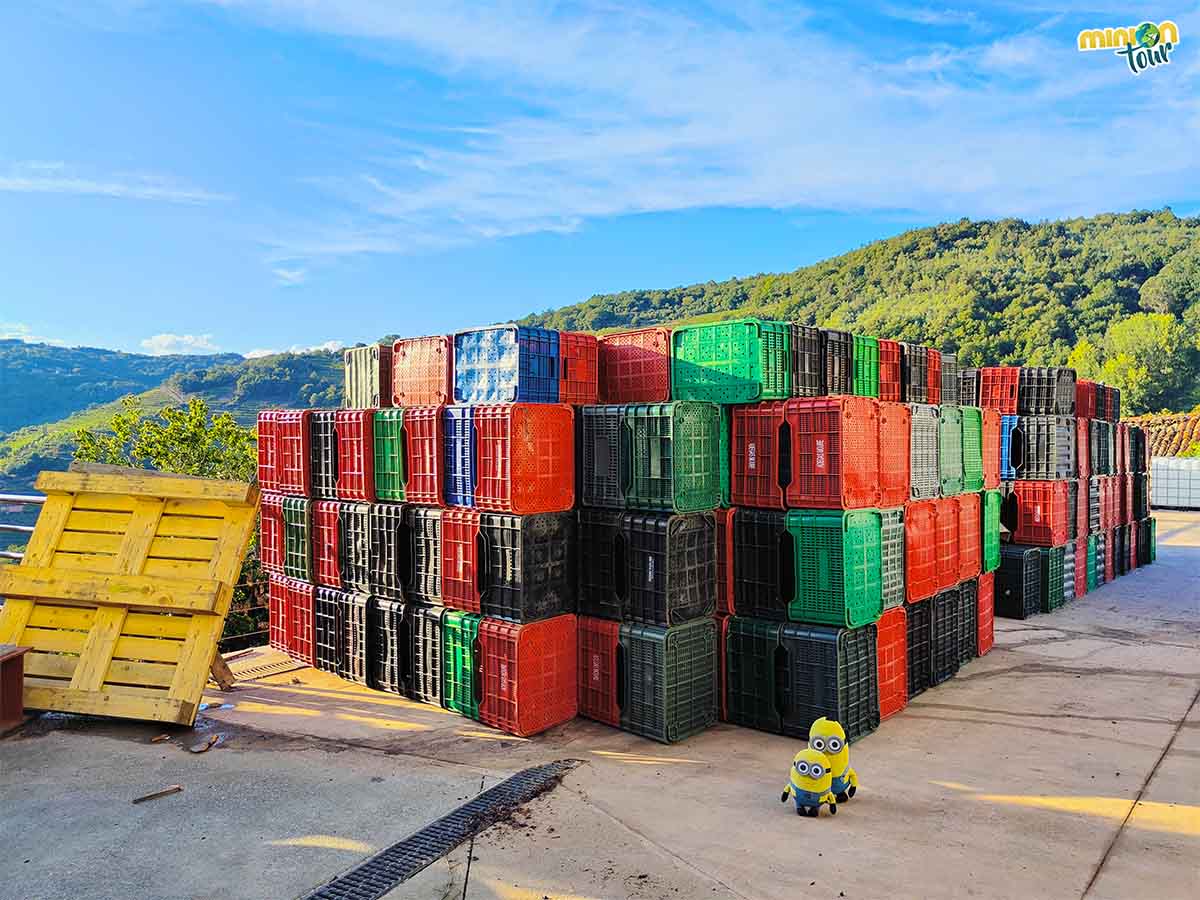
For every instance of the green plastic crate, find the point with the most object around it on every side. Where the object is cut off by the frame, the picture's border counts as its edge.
(1052, 578)
(752, 680)
(972, 448)
(390, 476)
(866, 366)
(839, 566)
(992, 501)
(1091, 562)
(670, 679)
(1153, 540)
(674, 456)
(739, 361)
(460, 687)
(950, 456)
(297, 538)
(726, 425)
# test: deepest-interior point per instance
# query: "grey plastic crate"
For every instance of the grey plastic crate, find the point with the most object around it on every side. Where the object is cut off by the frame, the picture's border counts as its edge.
(950, 384)
(1047, 448)
(924, 479)
(1046, 391)
(1093, 506)
(1101, 551)
(600, 449)
(950, 455)
(1073, 524)
(893, 557)
(968, 387)
(1069, 572)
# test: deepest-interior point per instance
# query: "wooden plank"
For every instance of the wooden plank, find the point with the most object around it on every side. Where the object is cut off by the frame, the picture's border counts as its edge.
(195, 549)
(147, 649)
(156, 625)
(201, 509)
(189, 526)
(176, 568)
(127, 703)
(196, 660)
(136, 545)
(87, 500)
(239, 532)
(54, 640)
(186, 594)
(140, 483)
(83, 562)
(47, 615)
(90, 541)
(96, 655)
(149, 674)
(46, 531)
(221, 674)
(50, 665)
(87, 520)
(14, 616)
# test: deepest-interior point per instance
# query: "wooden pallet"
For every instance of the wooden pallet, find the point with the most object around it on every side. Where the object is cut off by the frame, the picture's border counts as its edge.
(124, 590)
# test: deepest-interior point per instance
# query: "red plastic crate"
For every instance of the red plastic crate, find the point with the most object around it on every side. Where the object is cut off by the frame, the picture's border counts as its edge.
(525, 457)
(726, 604)
(920, 550)
(991, 449)
(934, 370)
(290, 617)
(578, 368)
(986, 612)
(1121, 448)
(1110, 541)
(970, 533)
(1109, 509)
(326, 543)
(1081, 566)
(356, 453)
(998, 388)
(1083, 452)
(1041, 513)
(892, 656)
(1133, 548)
(529, 674)
(1085, 399)
(835, 453)
(1125, 493)
(635, 366)
(285, 459)
(460, 559)
(424, 454)
(761, 455)
(270, 533)
(946, 542)
(889, 370)
(423, 371)
(895, 431)
(599, 692)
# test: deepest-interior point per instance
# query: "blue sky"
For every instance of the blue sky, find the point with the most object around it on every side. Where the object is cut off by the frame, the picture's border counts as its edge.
(251, 175)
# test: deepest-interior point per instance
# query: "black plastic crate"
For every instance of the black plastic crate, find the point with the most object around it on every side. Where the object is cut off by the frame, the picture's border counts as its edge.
(764, 564)
(603, 575)
(951, 392)
(808, 365)
(1138, 457)
(755, 674)
(355, 616)
(1044, 448)
(1100, 440)
(831, 672)
(389, 644)
(672, 567)
(1019, 582)
(324, 451)
(920, 663)
(837, 354)
(424, 526)
(968, 387)
(670, 683)
(528, 565)
(602, 450)
(391, 551)
(1144, 538)
(354, 546)
(1141, 496)
(1073, 523)
(329, 611)
(1121, 550)
(1053, 561)
(1046, 391)
(944, 636)
(425, 626)
(914, 373)
(968, 620)
(1093, 523)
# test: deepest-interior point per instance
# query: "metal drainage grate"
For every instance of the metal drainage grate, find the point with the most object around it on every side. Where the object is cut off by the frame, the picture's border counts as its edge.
(380, 874)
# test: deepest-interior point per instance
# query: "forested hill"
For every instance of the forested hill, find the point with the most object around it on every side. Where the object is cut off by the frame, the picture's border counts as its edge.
(1003, 291)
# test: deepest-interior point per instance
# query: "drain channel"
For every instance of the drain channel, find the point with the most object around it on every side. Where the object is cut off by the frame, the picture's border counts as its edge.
(374, 877)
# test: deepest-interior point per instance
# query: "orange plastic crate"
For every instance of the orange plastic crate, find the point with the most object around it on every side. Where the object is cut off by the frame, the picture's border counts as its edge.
(934, 369)
(970, 531)
(889, 370)
(946, 542)
(991, 449)
(461, 576)
(891, 652)
(578, 368)
(599, 690)
(326, 542)
(525, 457)
(425, 455)
(1083, 452)
(423, 371)
(1041, 513)
(1081, 566)
(529, 674)
(920, 550)
(986, 611)
(635, 366)
(1110, 541)
(760, 455)
(895, 431)
(725, 595)
(835, 452)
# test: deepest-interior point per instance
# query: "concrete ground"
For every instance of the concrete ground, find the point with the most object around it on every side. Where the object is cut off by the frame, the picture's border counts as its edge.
(1066, 763)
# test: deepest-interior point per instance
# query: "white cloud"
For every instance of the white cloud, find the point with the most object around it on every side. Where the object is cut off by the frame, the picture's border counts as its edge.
(947, 18)
(39, 177)
(19, 331)
(290, 277)
(327, 347)
(162, 344)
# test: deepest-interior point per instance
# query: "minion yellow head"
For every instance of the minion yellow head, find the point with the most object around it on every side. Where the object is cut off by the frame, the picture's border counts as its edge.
(828, 737)
(810, 771)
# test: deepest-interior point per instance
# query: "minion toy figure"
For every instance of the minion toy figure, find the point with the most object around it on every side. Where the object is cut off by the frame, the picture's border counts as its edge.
(808, 784)
(828, 737)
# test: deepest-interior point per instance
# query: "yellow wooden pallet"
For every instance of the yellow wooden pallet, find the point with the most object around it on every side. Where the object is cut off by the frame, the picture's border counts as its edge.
(124, 590)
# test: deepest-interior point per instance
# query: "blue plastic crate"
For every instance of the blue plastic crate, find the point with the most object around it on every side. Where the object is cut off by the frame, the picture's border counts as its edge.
(459, 424)
(506, 364)
(1008, 424)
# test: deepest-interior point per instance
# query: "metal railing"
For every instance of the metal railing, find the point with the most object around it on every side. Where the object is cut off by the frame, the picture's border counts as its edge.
(18, 500)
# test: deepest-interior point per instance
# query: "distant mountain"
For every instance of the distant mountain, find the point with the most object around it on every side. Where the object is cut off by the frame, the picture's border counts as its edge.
(43, 383)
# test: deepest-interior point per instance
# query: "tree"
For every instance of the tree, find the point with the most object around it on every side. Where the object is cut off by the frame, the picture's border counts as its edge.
(1176, 286)
(1150, 358)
